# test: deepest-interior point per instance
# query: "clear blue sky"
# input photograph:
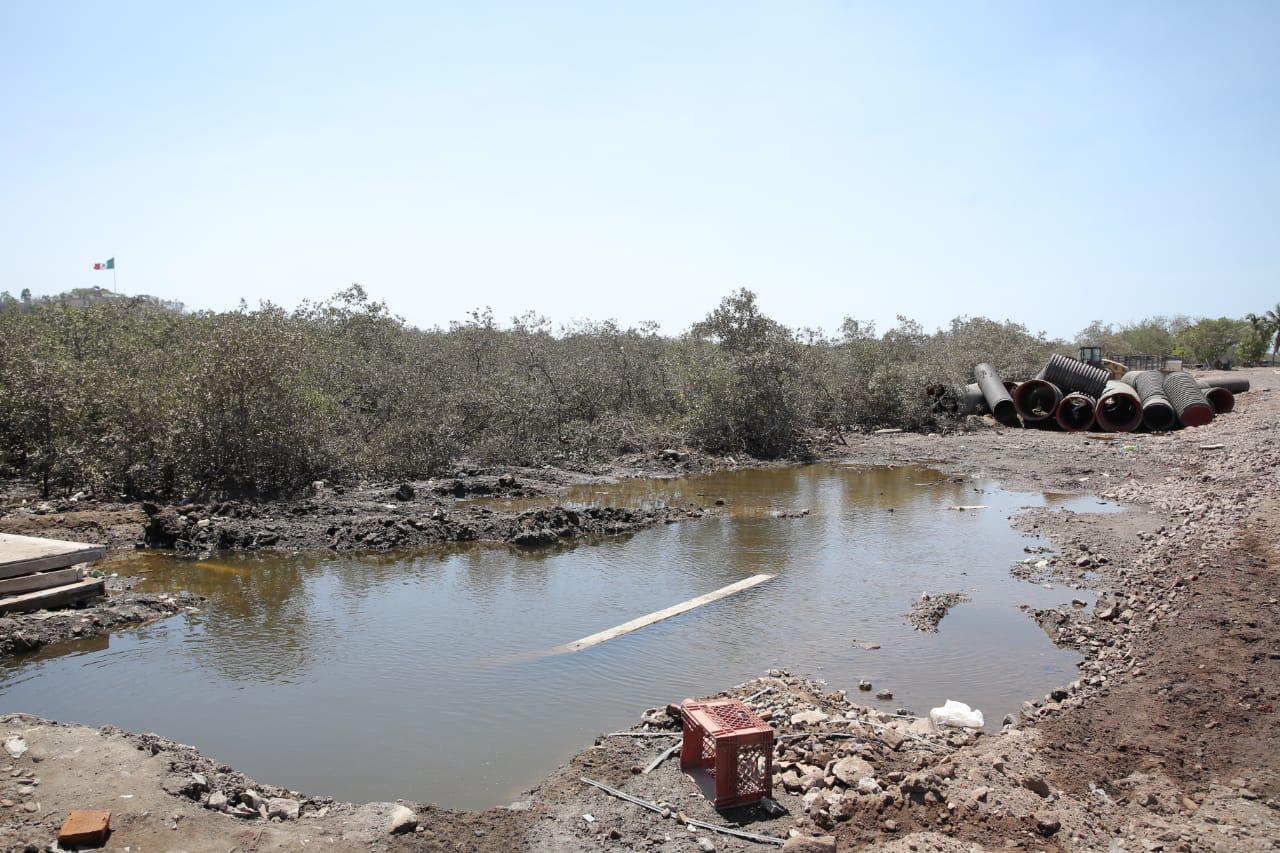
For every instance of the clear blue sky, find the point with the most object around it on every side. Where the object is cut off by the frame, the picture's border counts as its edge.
(1051, 163)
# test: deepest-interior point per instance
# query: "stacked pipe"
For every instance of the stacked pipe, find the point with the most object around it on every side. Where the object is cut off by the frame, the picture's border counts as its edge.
(1158, 414)
(1119, 409)
(1076, 396)
(1187, 398)
(1037, 399)
(1070, 374)
(1076, 412)
(996, 394)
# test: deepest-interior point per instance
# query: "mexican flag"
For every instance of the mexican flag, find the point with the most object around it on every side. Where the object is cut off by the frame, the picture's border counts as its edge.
(108, 264)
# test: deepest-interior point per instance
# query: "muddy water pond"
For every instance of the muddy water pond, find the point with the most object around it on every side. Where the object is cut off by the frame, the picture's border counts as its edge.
(423, 675)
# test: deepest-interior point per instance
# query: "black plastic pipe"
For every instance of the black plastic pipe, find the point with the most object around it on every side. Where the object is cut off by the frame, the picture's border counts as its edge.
(1119, 409)
(1187, 398)
(1036, 399)
(1071, 374)
(1075, 412)
(1221, 399)
(1157, 412)
(996, 395)
(1235, 386)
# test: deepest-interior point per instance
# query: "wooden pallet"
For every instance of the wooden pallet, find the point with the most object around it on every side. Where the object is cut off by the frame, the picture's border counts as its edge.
(59, 596)
(24, 555)
(43, 574)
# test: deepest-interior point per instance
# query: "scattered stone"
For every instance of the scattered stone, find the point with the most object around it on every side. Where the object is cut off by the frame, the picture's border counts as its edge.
(1037, 785)
(218, 801)
(283, 808)
(402, 820)
(928, 610)
(891, 739)
(850, 770)
(1047, 824)
(864, 685)
(884, 694)
(808, 718)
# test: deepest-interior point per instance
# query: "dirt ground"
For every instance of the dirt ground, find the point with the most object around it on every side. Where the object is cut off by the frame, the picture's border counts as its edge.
(1167, 740)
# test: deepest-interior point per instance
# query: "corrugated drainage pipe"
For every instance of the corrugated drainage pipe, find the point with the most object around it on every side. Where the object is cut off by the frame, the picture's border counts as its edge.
(1157, 412)
(1235, 386)
(996, 395)
(1036, 399)
(1071, 374)
(1187, 398)
(1075, 412)
(1221, 399)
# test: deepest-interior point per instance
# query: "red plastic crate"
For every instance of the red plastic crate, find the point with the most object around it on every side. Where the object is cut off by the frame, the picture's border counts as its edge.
(726, 739)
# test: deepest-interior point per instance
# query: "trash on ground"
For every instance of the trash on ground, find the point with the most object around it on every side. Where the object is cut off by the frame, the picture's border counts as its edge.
(15, 746)
(957, 715)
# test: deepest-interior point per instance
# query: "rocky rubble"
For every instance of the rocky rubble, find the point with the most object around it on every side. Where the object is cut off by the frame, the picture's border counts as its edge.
(26, 632)
(928, 610)
(383, 524)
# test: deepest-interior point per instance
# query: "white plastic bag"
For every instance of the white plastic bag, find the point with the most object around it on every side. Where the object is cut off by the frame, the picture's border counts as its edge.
(957, 714)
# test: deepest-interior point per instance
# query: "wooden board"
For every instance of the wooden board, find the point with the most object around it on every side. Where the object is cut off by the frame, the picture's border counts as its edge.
(49, 599)
(659, 615)
(40, 580)
(23, 555)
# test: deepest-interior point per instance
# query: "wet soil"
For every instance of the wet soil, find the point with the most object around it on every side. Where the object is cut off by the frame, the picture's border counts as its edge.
(362, 516)
(1168, 740)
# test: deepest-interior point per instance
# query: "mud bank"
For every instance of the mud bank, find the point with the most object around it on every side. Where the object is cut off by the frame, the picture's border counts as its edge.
(27, 632)
(366, 516)
(1168, 740)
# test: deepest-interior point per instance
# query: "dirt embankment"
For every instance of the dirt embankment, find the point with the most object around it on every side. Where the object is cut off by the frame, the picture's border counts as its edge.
(367, 516)
(1168, 740)
(26, 632)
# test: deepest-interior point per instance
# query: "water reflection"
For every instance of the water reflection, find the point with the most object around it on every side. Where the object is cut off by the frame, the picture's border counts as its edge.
(420, 674)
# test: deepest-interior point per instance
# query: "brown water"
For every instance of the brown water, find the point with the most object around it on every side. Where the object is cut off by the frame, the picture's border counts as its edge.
(422, 675)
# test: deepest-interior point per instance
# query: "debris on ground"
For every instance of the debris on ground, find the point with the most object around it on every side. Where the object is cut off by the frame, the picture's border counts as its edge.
(929, 609)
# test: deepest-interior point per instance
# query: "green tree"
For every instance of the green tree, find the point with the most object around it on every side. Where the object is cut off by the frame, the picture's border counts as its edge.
(1211, 342)
(1273, 317)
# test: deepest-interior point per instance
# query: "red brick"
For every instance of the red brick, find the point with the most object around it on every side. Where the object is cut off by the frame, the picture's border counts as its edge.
(85, 826)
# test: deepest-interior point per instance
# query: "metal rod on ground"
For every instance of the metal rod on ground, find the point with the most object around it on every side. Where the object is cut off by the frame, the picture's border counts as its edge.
(996, 394)
(662, 756)
(757, 694)
(654, 807)
(659, 615)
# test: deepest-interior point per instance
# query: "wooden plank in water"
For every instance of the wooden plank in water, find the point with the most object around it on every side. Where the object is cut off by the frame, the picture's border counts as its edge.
(659, 615)
(48, 599)
(23, 555)
(39, 580)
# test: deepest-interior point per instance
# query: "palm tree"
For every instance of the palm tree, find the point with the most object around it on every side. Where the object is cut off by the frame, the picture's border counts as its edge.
(1273, 320)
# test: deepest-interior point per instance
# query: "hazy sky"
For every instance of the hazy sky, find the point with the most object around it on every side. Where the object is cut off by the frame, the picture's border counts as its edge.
(1047, 162)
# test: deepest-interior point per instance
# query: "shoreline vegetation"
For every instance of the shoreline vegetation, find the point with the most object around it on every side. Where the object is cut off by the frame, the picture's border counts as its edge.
(131, 397)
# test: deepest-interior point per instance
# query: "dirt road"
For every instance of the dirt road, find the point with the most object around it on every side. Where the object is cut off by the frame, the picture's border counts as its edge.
(1168, 740)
